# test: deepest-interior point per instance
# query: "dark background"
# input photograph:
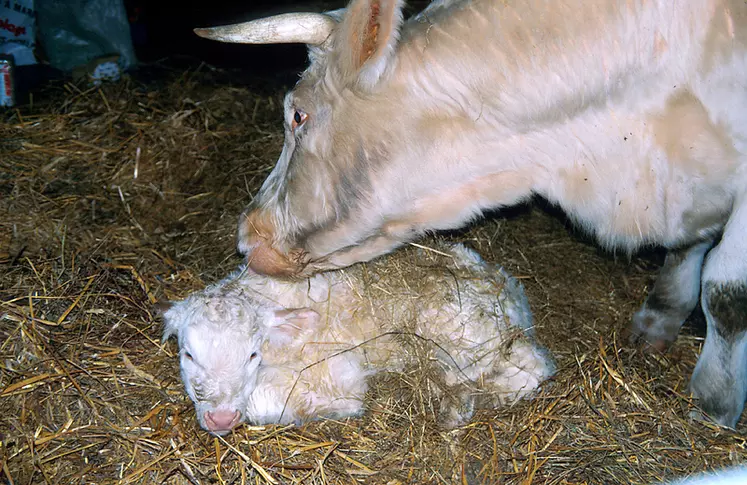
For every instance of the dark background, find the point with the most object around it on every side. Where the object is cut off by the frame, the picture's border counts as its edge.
(163, 30)
(163, 37)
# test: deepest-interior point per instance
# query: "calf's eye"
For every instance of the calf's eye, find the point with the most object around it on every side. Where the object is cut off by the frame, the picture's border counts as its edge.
(253, 356)
(188, 356)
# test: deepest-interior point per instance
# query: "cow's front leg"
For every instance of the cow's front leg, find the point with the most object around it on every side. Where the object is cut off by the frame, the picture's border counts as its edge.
(719, 382)
(672, 298)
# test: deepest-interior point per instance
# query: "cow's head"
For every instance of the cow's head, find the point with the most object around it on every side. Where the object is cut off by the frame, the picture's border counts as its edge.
(335, 135)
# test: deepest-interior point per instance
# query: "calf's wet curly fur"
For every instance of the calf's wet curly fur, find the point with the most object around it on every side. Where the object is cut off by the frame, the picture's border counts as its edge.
(253, 348)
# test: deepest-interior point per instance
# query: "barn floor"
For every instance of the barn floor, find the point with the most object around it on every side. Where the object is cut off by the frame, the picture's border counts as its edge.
(114, 198)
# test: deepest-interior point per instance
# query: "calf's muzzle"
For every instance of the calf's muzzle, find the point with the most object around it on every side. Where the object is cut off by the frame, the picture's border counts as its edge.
(222, 421)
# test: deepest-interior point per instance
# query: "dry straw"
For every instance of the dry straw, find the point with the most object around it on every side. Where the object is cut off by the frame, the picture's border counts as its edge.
(114, 198)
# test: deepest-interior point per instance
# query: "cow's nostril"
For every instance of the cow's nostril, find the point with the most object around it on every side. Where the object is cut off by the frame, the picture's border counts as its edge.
(266, 260)
(255, 242)
(255, 227)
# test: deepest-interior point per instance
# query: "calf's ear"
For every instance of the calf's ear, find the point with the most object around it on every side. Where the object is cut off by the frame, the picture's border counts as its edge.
(288, 324)
(161, 307)
(173, 318)
(366, 40)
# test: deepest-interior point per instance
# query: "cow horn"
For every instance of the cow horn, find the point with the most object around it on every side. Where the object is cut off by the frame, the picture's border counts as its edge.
(288, 28)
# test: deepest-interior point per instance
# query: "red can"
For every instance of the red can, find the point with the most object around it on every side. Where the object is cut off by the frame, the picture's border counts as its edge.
(7, 88)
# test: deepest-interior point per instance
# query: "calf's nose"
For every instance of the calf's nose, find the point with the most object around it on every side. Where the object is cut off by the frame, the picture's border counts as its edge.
(222, 420)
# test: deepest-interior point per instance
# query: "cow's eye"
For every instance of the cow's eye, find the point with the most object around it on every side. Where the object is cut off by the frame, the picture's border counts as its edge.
(299, 118)
(188, 356)
(253, 356)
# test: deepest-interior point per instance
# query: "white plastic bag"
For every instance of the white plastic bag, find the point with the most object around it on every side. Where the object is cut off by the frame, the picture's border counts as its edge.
(75, 33)
(18, 30)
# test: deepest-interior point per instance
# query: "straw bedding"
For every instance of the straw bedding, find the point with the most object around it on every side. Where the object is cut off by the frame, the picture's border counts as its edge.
(112, 199)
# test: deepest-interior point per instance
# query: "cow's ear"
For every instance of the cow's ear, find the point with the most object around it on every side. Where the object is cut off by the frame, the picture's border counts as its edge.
(287, 325)
(366, 40)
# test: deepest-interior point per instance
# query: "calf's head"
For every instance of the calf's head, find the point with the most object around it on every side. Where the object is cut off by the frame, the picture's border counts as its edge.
(222, 338)
(336, 122)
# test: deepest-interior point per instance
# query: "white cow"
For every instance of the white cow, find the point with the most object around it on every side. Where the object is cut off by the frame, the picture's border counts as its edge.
(631, 115)
(258, 349)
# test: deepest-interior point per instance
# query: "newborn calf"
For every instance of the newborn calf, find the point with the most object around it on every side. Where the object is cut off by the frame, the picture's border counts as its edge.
(263, 350)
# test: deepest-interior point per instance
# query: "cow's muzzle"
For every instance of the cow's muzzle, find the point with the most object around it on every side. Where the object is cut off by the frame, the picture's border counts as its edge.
(256, 242)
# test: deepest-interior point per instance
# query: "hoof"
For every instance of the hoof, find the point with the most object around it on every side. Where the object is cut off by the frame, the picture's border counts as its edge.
(647, 344)
(652, 331)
